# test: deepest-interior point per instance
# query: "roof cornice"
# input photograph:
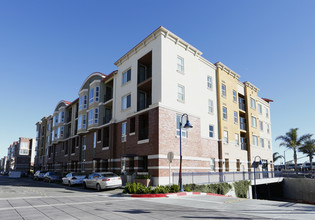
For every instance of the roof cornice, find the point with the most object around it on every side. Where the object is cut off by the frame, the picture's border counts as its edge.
(250, 85)
(227, 70)
(159, 31)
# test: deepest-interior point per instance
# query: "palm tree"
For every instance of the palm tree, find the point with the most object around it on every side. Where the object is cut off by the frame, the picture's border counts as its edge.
(291, 141)
(276, 156)
(308, 148)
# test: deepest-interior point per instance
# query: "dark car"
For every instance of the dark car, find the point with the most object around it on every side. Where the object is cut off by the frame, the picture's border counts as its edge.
(39, 175)
(51, 177)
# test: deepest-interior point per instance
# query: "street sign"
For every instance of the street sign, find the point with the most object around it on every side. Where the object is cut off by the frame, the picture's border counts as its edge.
(170, 156)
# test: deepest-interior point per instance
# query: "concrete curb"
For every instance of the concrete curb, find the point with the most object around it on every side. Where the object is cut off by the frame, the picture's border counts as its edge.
(170, 195)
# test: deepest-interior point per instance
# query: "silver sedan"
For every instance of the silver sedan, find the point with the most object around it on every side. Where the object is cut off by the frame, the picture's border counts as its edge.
(102, 180)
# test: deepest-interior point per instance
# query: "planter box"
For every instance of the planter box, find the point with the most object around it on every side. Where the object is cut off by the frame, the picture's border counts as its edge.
(145, 182)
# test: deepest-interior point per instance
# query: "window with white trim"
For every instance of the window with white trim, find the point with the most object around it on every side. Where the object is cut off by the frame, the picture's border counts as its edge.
(97, 93)
(80, 102)
(237, 139)
(125, 102)
(254, 122)
(261, 125)
(209, 82)
(224, 111)
(252, 103)
(84, 121)
(181, 93)
(180, 64)
(212, 164)
(255, 140)
(94, 140)
(210, 106)
(61, 131)
(91, 95)
(85, 102)
(260, 109)
(123, 131)
(267, 112)
(223, 90)
(184, 132)
(269, 144)
(234, 96)
(211, 131)
(126, 77)
(268, 129)
(79, 122)
(262, 144)
(96, 116)
(90, 116)
(226, 137)
(235, 117)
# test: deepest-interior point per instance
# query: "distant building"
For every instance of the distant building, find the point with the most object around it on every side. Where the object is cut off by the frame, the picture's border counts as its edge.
(21, 155)
(3, 163)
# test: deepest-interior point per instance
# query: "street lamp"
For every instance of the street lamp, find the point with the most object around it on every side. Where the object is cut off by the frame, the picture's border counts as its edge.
(187, 125)
(259, 163)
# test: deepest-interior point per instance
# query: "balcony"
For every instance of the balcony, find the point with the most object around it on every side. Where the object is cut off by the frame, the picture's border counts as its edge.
(243, 126)
(242, 106)
(244, 146)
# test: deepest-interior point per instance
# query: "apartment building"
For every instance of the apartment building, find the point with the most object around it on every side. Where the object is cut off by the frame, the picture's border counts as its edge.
(3, 163)
(128, 121)
(244, 123)
(21, 155)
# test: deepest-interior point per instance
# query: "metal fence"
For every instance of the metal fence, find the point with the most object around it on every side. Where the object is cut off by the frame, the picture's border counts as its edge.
(217, 177)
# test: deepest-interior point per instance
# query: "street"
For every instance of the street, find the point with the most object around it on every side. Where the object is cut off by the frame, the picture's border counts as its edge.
(28, 199)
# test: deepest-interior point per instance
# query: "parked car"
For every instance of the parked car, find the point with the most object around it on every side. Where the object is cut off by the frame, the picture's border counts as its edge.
(102, 180)
(51, 177)
(39, 175)
(73, 178)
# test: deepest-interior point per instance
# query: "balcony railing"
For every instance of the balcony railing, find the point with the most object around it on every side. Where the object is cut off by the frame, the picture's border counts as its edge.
(244, 146)
(243, 126)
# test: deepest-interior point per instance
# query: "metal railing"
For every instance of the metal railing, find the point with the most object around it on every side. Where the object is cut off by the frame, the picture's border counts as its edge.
(218, 177)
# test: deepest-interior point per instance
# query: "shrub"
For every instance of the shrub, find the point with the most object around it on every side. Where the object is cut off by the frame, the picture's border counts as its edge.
(174, 188)
(134, 188)
(241, 188)
(217, 188)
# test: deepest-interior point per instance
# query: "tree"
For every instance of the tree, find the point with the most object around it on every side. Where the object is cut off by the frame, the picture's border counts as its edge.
(276, 156)
(291, 141)
(308, 148)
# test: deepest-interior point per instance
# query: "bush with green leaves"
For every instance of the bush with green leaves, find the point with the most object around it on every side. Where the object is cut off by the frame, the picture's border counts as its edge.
(241, 188)
(138, 188)
(217, 188)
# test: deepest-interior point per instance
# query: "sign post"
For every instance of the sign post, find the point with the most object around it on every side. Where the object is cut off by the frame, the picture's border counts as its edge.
(170, 157)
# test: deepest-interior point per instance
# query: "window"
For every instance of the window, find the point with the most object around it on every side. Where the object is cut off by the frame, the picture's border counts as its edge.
(224, 113)
(90, 115)
(80, 102)
(91, 95)
(61, 131)
(255, 140)
(235, 117)
(252, 103)
(267, 113)
(123, 131)
(125, 102)
(254, 122)
(84, 122)
(97, 93)
(223, 90)
(234, 96)
(180, 64)
(259, 108)
(99, 135)
(268, 129)
(58, 136)
(132, 125)
(211, 131)
(184, 132)
(212, 164)
(261, 125)
(62, 116)
(181, 93)
(262, 144)
(85, 102)
(269, 144)
(126, 77)
(94, 140)
(209, 82)
(237, 140)
(225, 138)
(79, 122)
(210, 106)
(96, 116)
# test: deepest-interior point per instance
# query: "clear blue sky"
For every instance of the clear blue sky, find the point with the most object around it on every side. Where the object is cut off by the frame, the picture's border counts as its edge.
(48, 48)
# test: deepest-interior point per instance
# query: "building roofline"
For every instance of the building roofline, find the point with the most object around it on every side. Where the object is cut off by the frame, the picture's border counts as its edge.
(91, 75)
(227, 69)
(160, 30)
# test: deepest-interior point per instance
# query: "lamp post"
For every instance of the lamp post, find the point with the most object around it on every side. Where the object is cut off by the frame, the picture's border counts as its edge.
(187, 125)
(259, 163)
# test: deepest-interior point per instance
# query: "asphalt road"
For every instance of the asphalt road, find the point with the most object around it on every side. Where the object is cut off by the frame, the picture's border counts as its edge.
(28, 199)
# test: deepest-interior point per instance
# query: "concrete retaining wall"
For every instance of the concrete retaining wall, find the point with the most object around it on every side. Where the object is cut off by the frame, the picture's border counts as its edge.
(299, 189)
